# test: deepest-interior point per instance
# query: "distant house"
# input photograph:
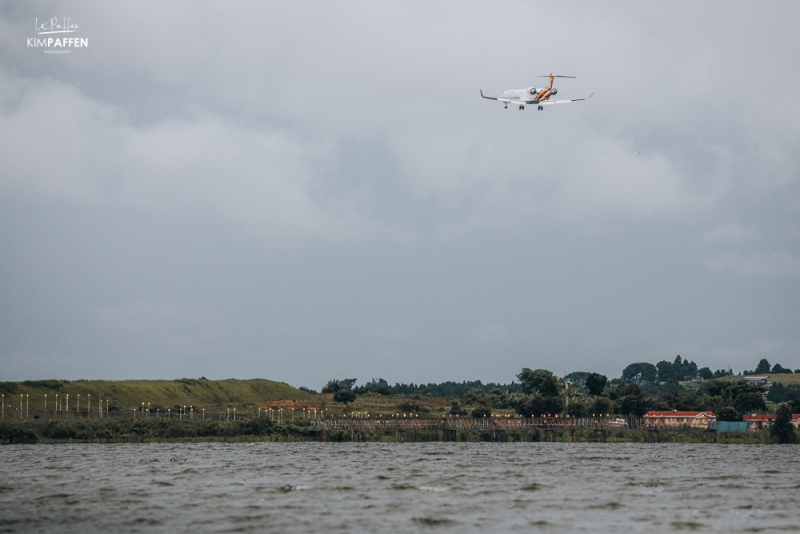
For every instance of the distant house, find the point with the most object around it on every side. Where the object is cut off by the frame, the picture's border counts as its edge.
(675, 418)
(762, 422)
(757, 423)
(758, 381)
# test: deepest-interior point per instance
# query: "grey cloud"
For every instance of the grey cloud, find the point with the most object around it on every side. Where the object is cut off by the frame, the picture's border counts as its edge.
(319, 191)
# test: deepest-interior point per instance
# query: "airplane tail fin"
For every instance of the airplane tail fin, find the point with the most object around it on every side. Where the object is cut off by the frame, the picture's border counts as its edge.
(553, 77)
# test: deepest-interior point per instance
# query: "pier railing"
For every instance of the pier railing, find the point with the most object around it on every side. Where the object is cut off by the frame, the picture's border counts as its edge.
(390, 424)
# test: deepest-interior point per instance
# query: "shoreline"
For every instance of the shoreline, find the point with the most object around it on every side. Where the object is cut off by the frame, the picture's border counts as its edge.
(112, 431)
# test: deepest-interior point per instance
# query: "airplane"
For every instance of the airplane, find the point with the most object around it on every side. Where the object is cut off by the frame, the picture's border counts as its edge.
(534, 95)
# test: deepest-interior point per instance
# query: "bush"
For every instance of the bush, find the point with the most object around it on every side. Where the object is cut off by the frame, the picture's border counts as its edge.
(345, 396)
(481, 411)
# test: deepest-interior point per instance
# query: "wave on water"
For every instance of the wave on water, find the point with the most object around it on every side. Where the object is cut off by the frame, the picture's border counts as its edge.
(474, 488)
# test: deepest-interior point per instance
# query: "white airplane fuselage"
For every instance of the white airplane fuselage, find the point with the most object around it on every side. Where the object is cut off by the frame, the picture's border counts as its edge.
(531, 94)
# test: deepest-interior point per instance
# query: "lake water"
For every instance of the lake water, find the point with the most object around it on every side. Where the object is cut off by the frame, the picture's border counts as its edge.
(403, 487)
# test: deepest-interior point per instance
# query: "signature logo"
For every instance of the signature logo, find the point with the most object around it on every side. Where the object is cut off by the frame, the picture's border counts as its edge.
(53, 26)
(56, 26)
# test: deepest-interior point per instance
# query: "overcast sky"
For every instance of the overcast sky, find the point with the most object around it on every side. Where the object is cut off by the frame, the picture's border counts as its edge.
(302, 191)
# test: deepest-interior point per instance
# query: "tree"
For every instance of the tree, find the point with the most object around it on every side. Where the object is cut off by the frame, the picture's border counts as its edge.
(596, 383)
(719, 373)
(625, 390)
(728, 413)
(475, 397)
(345, 396)
(763, 366)
(777, 368)
(638, 373)
(779, 393)
(536, 405)
(539, 381)
(749, 403)
(332, 386)
(676, 371)
(631, 405)
(666, 371)
(782, 427)
(705, 373)
(336, 385)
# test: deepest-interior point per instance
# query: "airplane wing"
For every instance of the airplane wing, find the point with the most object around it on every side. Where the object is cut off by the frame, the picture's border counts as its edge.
(548, 102)
(507, 100)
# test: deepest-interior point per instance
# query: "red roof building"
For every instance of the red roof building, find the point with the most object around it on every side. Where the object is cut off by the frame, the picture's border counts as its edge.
(762, 422)
(680, 419)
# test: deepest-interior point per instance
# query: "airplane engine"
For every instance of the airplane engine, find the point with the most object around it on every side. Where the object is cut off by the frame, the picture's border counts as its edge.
(554, 92)
(532, 90)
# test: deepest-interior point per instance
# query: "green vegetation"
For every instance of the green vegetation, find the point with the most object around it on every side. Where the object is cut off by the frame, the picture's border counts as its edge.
(782, 428)
(214, 395)
(158, 429)
(596, 383)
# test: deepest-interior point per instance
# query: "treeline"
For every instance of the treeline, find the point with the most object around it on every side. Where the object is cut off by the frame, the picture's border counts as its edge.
(444, 389)
(681, 370)
(136, 430)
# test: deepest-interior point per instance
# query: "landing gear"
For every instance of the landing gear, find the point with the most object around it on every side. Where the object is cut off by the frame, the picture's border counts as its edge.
(541, 108)
(505, 107)
(522, 107)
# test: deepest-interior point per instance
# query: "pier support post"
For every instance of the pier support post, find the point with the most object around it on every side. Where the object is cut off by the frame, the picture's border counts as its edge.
(599, 435)
(711, 434)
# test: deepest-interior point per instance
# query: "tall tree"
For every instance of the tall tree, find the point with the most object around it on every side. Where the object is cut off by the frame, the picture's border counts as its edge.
(540, 381)
(763, 366)
(705, 373)
(595, 383)
(638, 373)
(782, 428)
(666, 371)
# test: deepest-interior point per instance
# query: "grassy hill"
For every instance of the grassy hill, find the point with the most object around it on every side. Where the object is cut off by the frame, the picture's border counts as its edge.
(776, 378)
(784, 378)
(163, 394)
